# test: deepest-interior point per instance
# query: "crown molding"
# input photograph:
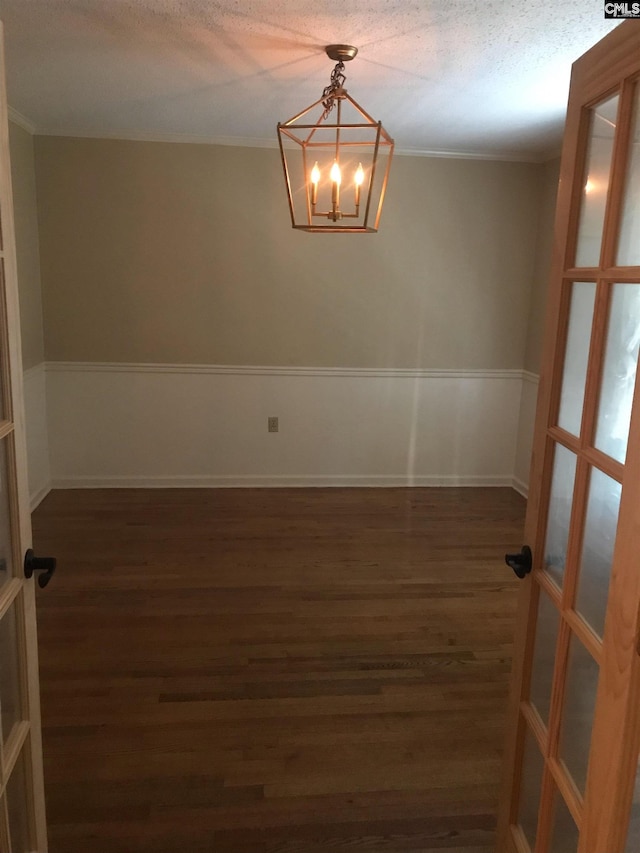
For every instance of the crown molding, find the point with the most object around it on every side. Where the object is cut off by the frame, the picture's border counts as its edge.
(22, 121)
(502, 156)
(262, 142)
(142, 136)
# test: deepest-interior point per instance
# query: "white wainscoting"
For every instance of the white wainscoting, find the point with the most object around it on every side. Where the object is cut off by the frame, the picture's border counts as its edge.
(35, 405)
(178, 425)
(526, 425)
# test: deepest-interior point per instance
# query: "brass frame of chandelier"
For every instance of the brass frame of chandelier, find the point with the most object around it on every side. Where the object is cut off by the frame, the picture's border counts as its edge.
(363, 136)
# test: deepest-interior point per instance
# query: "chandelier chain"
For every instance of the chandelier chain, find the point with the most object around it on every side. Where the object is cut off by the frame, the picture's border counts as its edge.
(329, 93)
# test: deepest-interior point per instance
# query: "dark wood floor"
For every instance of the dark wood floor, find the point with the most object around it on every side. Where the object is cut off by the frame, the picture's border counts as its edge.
(275, 671)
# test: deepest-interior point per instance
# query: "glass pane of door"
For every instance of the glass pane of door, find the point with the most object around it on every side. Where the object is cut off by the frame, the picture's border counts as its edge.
(619, 371)
(583, 294)
(596, 185)
(564, 834)
(629, 241)
(560, 504)
(633, 833)
(5, 844)
(597, 549)
(579, 706)
(544, 656)
(10, 698)
(532, 767)
(18, 810)
(6, 549)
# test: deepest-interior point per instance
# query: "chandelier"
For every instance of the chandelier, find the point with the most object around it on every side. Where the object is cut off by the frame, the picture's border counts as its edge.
(336, 166)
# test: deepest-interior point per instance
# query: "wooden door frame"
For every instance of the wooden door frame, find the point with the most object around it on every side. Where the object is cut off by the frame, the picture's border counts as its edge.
(594, 76)
(31, 731)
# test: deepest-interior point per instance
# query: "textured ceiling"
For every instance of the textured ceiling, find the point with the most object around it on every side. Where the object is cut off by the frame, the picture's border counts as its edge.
(488, 77)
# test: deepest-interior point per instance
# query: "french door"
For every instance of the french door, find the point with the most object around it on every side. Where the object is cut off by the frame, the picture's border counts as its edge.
(571, 782)
(22, 816)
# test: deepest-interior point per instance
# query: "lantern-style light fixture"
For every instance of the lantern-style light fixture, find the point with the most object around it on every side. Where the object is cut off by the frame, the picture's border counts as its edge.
(336, 166)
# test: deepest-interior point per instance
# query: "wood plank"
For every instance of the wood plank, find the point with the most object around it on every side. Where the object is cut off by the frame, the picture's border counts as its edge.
(268, 670)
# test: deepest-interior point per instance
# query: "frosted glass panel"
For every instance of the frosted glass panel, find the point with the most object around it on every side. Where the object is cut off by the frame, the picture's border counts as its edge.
(560, 502)
(530, 784)
(633, 834)
(5, 405)
(594, 194)
(597, 548)
(583, 296)
(577, 718)
(619, 372)
(564, 835)
(629, 243)
(6, 561)
(544, 655)
(10, 698)
(18, 808)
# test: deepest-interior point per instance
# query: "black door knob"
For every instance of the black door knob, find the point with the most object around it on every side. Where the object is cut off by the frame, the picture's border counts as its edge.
(520, 563)
(46, 565)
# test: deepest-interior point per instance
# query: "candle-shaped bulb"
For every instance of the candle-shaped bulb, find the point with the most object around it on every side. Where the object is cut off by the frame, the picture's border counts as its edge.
(315, 178)
(336, 177)
(358, 179)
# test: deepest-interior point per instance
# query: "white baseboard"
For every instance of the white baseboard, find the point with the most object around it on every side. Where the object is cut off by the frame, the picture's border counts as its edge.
(520, 486)
(249, 481)
(36, 498)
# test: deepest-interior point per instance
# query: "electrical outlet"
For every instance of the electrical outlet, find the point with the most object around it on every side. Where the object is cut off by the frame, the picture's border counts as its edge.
(272, 424)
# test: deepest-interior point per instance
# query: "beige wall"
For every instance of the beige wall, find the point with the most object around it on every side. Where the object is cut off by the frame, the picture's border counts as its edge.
(170, 253)
(535, 330)
(26, 220)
